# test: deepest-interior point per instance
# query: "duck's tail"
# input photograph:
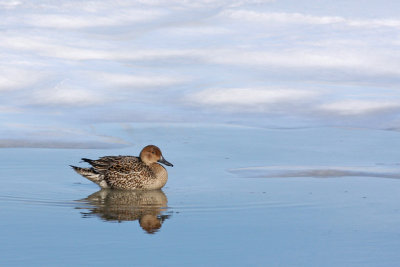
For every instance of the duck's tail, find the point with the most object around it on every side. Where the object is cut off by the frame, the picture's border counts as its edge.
(92, 175)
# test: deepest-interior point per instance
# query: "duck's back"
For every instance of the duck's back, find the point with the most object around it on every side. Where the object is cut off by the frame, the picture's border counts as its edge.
(124, 172)
(128, 173)
(103, 164)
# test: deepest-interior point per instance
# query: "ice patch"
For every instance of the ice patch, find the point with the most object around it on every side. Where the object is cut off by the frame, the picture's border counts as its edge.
(319, 171)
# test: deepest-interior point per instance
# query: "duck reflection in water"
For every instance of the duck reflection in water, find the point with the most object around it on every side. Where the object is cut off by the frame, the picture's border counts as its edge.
(117, 205)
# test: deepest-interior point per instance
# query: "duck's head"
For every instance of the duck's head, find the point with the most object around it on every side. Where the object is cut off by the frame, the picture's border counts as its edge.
(151, 154)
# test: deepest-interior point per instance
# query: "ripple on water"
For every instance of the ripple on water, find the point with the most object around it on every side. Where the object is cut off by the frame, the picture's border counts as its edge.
(118, 205)
(36, 201)
(221, 207)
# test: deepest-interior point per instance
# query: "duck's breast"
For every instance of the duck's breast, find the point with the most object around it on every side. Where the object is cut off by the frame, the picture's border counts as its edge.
(160, 174)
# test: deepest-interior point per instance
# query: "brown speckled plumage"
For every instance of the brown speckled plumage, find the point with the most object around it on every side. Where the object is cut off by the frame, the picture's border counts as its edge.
(128, 172)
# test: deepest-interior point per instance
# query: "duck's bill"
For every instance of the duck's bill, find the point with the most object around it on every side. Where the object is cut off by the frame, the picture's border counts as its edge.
(163, 161)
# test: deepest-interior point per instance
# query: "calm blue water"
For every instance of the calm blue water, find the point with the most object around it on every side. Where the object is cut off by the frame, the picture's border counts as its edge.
(235, 196)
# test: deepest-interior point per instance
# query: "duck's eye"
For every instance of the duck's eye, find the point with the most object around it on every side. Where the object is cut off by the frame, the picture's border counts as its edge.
(153, 152)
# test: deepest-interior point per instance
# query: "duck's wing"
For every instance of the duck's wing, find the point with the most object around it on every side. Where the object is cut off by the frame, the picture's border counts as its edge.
(103, 164)
(128, 173)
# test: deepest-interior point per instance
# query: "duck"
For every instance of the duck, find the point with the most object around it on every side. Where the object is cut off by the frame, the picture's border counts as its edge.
(128, 172)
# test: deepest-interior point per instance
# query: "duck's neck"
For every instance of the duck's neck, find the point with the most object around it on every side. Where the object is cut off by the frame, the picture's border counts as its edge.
(160, 173)
(157, 169)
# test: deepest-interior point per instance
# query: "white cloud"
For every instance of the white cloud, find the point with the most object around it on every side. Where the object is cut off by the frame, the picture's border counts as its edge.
(372, 23)
(359, 107)
(96, 45)
(10, 4)
(268, 17)
(10, 109)
(299, 18)
(284, 58)
(68, 21)
(154, 54)
(198, 31)
(54, 48)
(135, 81)
(65, 94)
(201, 3)
(51, 48)
(80, 15)
(7, 83)
(351, 60)
(253, 99)
(13, 79)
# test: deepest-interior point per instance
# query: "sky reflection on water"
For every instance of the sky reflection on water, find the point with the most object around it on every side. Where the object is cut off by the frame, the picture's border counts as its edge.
(52, 216)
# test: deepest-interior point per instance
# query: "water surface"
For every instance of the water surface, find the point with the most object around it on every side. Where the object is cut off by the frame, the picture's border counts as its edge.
(235, 196)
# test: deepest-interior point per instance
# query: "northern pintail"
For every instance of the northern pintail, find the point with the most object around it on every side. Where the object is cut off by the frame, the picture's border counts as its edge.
(128, 172)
